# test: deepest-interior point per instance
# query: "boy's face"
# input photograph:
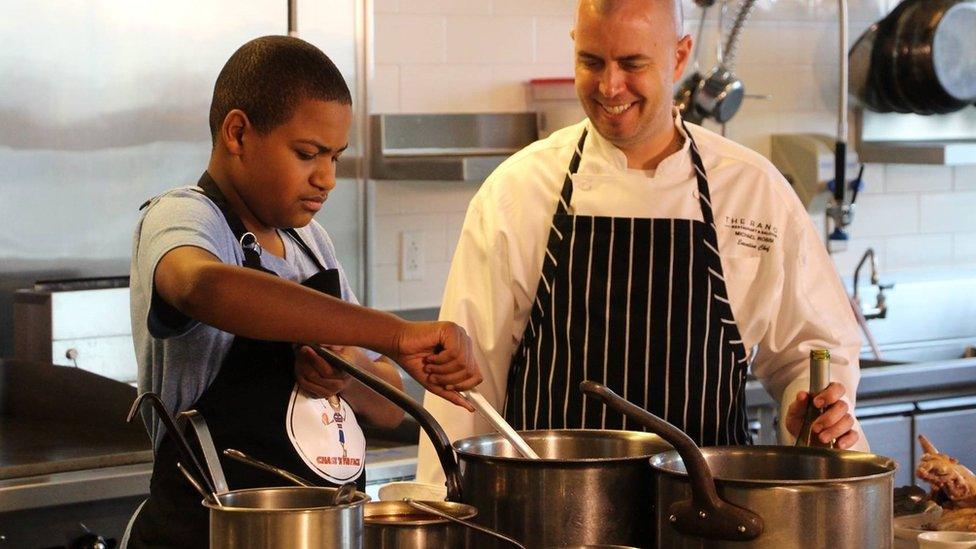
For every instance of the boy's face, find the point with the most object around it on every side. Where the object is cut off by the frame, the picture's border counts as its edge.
(287, 174)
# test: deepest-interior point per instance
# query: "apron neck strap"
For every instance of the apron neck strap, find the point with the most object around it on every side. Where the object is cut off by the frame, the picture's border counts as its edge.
(704, 199)
(566, 195)
(249, 242)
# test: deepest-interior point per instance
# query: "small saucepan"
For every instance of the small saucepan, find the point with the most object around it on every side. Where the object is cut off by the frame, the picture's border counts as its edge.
(763, 496)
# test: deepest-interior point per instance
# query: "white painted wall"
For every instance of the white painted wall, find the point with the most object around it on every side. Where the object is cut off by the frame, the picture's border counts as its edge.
(477, 56)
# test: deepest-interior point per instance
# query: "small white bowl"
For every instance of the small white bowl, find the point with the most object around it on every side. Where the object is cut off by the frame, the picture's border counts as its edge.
(947, 540)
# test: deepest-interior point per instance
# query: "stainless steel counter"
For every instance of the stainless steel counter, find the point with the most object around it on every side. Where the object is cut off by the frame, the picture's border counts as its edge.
(920, 381)
(111, 482)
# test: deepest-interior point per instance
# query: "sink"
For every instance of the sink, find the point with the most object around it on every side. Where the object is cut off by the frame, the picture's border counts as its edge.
(922, 351)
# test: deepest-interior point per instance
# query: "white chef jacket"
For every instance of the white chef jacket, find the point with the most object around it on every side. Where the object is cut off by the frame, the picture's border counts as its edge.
(784, 290)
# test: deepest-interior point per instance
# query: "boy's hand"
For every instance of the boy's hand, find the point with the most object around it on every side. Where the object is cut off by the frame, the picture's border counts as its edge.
(834, 424)
(439, 356)
(318, 377)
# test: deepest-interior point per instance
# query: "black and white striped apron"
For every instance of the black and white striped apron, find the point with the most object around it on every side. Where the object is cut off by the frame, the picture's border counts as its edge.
(641, 306)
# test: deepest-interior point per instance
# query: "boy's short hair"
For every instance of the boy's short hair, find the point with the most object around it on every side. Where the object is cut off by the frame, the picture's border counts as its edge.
(269, 76)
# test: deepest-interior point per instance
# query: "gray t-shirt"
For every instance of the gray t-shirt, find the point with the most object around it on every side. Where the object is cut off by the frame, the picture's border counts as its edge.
(179, 360)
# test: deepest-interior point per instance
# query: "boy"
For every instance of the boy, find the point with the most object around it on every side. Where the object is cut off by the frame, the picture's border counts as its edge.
(226, 273)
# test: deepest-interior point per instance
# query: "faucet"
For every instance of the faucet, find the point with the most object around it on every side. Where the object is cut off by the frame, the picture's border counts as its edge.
(880, 309)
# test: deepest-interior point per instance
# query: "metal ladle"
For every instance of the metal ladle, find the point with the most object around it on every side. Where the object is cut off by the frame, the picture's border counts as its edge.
(182, 446)
(244, 458)
(193, 482)
(434, 511)
(344, 494)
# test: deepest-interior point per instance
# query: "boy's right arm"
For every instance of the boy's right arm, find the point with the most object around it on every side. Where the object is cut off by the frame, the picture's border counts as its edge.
(253, 304)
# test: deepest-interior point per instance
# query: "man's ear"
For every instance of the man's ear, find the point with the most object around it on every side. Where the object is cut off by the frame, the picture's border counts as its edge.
(232, 131)
(682, 52)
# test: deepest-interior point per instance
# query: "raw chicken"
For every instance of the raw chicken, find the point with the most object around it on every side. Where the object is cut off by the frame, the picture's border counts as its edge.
(949, 479)
(953, 487)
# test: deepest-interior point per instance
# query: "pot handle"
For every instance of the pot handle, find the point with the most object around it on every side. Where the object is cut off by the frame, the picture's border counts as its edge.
(434, 431)
(706, 515)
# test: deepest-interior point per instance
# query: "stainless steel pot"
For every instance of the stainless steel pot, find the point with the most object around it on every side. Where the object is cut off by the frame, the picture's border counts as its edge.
(764, 496)
(810, 497)
(590, 487)
(397, 525)
(294, 517)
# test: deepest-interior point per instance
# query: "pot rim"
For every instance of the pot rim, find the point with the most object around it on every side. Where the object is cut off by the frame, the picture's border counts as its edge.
(529, 435)
(465, 512)
(658, 465)
(361, 498)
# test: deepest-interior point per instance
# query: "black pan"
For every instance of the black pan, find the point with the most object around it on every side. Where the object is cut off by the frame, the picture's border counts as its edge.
(883, 96)
(940, 53)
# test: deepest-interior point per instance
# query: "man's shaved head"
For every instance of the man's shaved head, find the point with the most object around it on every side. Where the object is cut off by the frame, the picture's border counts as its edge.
(628, 55)
(606, 7)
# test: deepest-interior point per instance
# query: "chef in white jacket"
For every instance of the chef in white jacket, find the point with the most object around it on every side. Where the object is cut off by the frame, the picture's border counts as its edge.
(648, 254)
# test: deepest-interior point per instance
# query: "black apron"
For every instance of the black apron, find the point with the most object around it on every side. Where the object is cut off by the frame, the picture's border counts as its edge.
(245, 407)
(641, 306)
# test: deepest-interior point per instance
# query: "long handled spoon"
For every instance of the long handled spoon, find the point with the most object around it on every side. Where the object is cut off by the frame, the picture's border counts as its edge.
(434, 511)
(344, 494)
(498, 423)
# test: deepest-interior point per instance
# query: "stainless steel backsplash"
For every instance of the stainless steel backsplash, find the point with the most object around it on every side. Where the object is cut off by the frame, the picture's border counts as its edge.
(104, 104)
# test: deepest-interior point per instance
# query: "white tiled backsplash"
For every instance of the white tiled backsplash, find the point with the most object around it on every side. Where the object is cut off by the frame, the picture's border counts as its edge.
(436, 56)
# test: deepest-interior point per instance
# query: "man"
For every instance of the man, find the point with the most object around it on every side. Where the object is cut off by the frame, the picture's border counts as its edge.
(651, 255)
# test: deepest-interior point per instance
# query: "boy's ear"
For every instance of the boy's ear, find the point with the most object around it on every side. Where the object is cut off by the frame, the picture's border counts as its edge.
(233, 129)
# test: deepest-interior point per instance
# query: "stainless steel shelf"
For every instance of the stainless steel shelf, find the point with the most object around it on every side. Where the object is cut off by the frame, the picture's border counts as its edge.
(945, 153)
(445, 147)
(892, 138)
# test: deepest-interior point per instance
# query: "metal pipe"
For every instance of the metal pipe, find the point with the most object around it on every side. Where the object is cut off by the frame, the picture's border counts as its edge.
(293, 18)
(869, 253)
(364, 79)
(840, 150)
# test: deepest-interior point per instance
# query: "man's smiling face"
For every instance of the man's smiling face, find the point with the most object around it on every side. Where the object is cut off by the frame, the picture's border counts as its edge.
(627, 58)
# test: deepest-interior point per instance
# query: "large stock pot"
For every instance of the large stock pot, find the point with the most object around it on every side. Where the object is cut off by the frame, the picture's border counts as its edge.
(763, 497)
(590, 487)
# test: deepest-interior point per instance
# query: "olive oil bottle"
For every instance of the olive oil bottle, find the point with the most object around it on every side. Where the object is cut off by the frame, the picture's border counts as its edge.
(819, 379)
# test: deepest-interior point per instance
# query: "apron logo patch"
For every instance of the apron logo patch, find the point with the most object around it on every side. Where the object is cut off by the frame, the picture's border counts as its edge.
(326, 435)
(752, 233)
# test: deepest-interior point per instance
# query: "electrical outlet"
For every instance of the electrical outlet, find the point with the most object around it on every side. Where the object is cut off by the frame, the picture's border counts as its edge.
(411, 255)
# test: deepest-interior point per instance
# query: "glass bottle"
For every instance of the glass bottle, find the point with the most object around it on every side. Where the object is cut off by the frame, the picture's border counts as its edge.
(819, 380)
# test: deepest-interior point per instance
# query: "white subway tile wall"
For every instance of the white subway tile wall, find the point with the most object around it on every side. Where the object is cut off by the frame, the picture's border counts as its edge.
(442, 56)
